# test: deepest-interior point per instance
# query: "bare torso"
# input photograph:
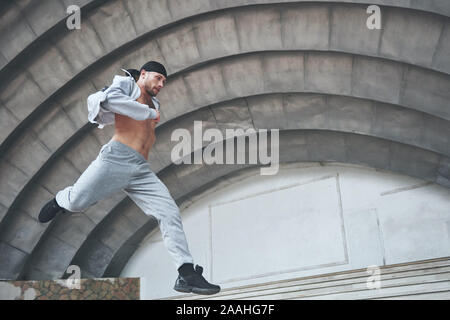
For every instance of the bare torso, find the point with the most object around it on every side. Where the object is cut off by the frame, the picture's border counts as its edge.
(139, 135)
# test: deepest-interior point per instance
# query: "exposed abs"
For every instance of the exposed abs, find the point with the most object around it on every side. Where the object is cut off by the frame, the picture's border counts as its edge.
(139, 135)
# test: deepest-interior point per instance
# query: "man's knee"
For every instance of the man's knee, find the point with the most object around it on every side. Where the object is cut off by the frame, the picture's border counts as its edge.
(168, 212)
(174, 210)
(78, 202)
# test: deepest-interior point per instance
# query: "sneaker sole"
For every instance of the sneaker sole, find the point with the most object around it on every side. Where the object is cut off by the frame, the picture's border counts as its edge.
(201, 291)
(183, 289)
(45, 219)
(205, 291)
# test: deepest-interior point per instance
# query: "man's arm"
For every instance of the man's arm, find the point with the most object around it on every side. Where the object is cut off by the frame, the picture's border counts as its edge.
(118, 100)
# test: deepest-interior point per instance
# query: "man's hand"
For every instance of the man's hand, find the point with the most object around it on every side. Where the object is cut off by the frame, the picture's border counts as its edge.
(143, 100)
(157, 116)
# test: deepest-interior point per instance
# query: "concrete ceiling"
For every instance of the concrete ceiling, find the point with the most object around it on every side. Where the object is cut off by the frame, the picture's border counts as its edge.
(336, 90)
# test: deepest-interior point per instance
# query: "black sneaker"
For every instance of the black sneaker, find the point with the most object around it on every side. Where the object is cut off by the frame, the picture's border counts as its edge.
(195, 283)
(49, 211)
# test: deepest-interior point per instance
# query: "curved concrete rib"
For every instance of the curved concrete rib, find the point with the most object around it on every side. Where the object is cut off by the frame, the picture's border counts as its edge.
(33, 20)
(24, 23)
(295, 146)
(215, 35)
(289, 111)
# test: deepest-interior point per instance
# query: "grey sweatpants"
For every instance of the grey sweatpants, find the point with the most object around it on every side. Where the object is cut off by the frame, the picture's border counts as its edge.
(120, 167)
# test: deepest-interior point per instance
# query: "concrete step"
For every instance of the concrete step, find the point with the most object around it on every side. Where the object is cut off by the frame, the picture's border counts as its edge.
(428, 279)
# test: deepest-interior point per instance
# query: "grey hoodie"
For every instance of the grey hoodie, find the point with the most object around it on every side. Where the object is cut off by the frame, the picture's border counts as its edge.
(119, 98)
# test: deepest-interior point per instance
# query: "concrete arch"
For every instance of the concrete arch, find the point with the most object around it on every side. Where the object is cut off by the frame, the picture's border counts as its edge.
(202, 46)
(243, 110)
(276, 72)
(425, 92)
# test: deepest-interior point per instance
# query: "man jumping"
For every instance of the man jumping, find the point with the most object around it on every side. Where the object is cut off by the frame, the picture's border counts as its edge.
(131, 105)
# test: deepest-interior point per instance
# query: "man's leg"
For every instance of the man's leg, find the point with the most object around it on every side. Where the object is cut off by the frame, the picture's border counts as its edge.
(153, 197)
(107, 174)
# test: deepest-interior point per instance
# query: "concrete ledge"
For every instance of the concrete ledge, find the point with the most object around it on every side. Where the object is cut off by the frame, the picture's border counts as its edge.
(415, 280)
(80, 289)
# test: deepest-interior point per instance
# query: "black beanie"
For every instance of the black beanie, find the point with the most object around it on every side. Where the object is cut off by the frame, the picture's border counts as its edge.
(155, 67)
